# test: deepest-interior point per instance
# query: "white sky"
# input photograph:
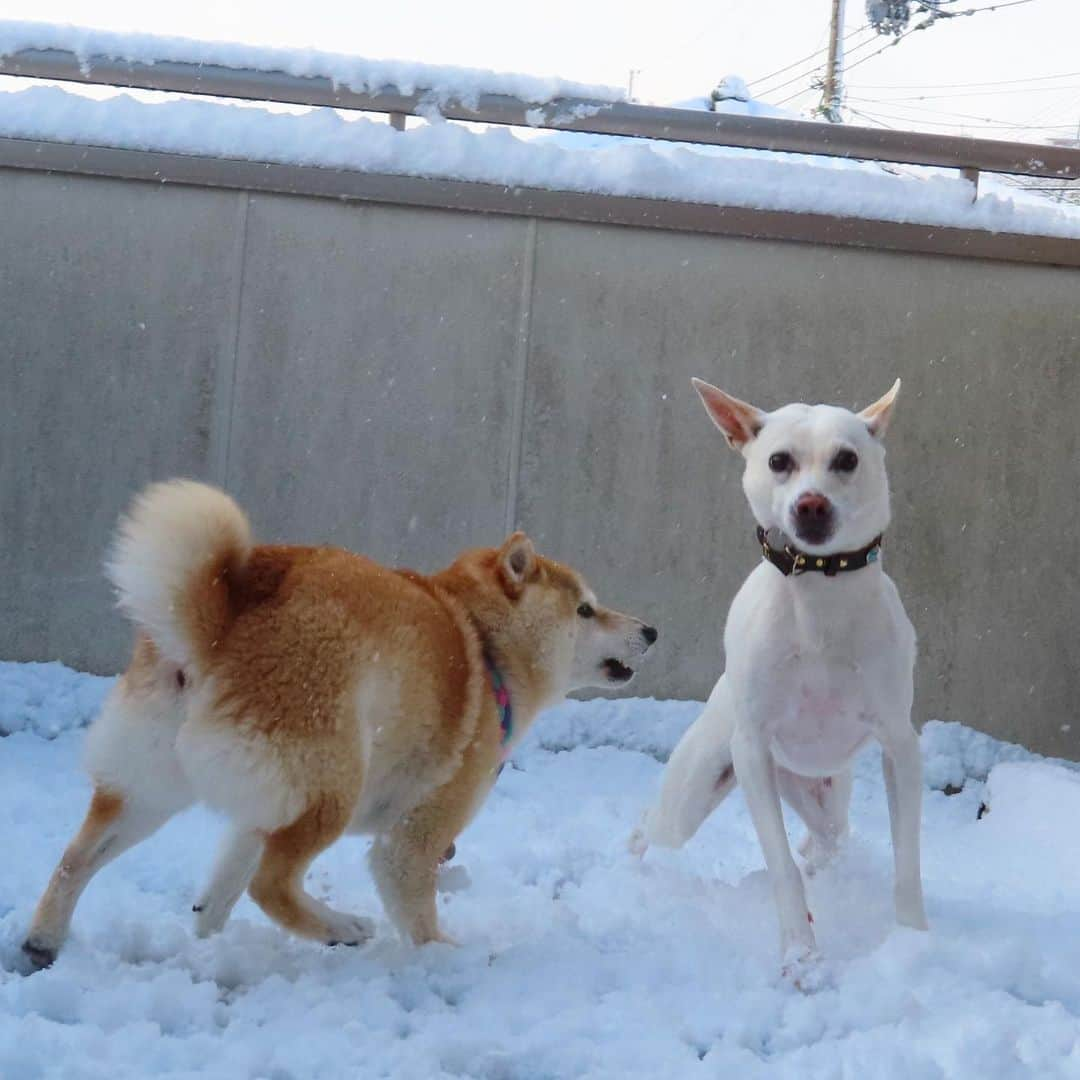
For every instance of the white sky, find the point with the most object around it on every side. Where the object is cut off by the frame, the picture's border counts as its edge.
(680, 49)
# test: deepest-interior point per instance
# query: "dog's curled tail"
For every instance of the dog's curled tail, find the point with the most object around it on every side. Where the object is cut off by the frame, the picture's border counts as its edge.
(175, 554)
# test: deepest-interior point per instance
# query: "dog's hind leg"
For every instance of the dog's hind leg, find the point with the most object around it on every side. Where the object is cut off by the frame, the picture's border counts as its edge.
(236, 863)
(138, 786)
(113, 823)
(277, 886)
(698, 777)
(822, 803)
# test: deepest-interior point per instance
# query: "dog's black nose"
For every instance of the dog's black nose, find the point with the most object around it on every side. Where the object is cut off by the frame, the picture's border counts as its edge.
(813, 517)
(812, 506)
(650, 633)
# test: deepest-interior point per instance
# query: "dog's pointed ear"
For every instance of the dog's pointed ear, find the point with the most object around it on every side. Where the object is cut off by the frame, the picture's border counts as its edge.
(739, 421)
(516, 563)
(878, 415)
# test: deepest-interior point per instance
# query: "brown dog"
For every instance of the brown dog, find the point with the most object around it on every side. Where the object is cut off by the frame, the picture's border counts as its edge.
(310, 692)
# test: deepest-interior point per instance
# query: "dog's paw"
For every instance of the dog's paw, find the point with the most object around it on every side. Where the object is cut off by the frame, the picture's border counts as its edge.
(422, 936)
(210, 917)
(343, 929)
(805, 969)
(36, 956)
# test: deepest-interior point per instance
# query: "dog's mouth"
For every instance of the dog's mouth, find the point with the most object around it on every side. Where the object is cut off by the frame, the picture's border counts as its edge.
(617, 671)
(814, 533)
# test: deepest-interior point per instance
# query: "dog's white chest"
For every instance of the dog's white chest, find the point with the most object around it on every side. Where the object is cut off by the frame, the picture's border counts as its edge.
(819, 716)
(816, 666)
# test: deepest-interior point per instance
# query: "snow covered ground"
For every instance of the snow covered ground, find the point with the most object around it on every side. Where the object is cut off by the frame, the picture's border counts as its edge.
(577, 960)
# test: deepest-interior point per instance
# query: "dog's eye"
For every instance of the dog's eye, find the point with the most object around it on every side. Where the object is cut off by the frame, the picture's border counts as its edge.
(586, 611)
(845, 461)
(781, 462)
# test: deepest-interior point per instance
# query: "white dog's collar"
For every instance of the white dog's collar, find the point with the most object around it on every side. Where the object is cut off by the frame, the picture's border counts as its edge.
(791, 562)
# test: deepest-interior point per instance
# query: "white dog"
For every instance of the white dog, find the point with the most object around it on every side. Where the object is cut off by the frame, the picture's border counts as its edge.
(819, 658)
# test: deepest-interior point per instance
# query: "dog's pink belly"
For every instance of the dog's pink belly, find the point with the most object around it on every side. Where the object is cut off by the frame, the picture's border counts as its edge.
(819, 733)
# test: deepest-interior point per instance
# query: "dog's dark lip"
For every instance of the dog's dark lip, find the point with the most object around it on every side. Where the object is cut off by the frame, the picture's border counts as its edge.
(617, 671)
(813, 537)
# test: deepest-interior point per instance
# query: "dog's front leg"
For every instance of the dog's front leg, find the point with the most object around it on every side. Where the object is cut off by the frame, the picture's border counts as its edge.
(902, 764)
(756, 771)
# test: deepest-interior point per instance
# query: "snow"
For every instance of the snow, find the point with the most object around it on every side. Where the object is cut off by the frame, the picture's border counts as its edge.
(47, 698)
(732, 86)
(577, 960)
(633, 167)
(353, 72)
(564, 161)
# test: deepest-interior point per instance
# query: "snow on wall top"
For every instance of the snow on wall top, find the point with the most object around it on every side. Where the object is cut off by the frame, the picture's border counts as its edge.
(564, 161)
(634, 167)
(353, 72)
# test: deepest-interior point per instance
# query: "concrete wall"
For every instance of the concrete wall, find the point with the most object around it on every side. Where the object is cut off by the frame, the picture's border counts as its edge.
(409, 381)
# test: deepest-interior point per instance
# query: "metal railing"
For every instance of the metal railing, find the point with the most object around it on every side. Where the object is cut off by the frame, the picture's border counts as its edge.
(565, 114)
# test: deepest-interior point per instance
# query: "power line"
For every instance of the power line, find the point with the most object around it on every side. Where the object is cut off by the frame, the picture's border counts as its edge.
(934, 15)
(810, 74)
(891, 45)
(992, 7)
(805, 59)
(1052, 107)
(947, 112)
(930, 22)
(872, 119)
(957, 86)
(984, 121)
(980, 93)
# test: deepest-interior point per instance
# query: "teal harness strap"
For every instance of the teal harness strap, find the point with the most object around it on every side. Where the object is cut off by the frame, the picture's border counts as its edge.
(502, 701)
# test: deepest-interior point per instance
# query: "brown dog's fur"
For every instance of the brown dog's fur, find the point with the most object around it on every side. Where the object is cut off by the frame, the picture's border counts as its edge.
(308, 692)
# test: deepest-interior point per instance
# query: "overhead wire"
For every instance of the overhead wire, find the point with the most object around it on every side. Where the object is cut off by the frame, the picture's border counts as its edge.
(979, 93)
(804, 60)
(993, 120)
(810, 72)
(955, 86)
(934, 15)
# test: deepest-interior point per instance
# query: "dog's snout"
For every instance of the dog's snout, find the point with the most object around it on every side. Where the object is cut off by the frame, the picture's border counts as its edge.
(650, 634)
(813, 517)
(812, 507)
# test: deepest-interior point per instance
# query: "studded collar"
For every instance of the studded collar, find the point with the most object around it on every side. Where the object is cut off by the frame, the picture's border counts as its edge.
(791, 562)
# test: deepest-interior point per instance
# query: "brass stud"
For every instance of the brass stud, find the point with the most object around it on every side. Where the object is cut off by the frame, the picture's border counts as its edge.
(821, 562)
(843, 564)
(801, 560)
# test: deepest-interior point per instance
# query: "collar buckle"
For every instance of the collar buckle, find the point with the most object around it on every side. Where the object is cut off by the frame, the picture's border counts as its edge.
(798, 562)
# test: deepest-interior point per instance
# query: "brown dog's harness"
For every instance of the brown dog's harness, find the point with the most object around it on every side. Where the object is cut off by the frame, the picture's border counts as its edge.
(791, 562)
(501, 691)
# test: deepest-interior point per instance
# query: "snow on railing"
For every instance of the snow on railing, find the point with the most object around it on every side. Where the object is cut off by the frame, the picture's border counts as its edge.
(598, 146)
(401, 89)
(205, 62)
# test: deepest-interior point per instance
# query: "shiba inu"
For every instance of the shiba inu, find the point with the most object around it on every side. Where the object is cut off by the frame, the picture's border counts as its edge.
(308, 692)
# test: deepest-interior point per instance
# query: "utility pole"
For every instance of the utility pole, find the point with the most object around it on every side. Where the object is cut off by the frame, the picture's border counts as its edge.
(630, 83)
(832, 85)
